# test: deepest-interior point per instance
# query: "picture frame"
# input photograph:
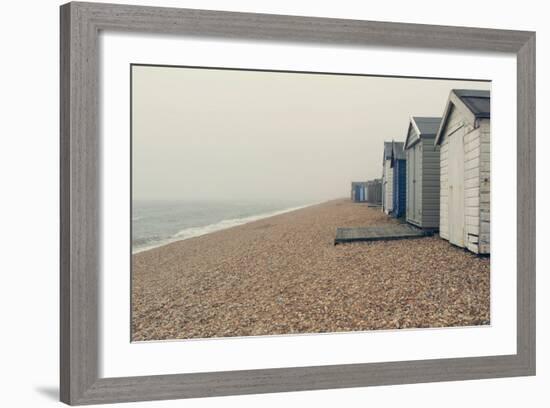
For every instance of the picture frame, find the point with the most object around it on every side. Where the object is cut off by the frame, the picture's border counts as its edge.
(80, 156)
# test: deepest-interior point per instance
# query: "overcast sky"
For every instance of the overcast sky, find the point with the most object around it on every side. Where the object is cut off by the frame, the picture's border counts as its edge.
(202, 134)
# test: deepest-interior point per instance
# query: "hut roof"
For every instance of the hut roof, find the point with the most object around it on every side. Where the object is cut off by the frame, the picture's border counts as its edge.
(387, 150)
(424, 126)
(478, 101)
(474, 104)
(398, 152)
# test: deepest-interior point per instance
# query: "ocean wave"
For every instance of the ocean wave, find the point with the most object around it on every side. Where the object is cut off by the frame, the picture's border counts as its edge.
(193, 232)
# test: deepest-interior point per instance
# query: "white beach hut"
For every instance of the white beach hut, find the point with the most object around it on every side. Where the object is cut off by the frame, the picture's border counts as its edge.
(387, 179)
(465, 158)
(422, 172)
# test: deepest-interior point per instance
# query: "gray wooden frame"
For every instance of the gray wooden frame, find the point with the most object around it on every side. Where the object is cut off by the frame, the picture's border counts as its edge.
(80, 158)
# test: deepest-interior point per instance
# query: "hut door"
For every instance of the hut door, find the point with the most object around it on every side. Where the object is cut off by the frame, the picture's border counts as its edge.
(456, 188)
(389, 187)
(383, 187)
(418, 182)
(410, 184)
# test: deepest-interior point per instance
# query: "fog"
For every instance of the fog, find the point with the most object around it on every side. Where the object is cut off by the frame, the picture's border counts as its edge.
(200, 134)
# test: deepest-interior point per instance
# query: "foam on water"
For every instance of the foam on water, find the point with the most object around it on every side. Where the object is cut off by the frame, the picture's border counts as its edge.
(193, 232)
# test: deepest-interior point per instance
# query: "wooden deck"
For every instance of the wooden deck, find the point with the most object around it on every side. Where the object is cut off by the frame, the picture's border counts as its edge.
(379, 232)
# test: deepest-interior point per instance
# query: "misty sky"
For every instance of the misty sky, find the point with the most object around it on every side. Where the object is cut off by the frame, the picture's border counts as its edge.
(203, 134)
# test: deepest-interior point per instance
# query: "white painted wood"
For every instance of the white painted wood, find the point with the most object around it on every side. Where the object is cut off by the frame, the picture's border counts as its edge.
(484, 187)
(456, 188)
(383, 185)
(411, 181)
(388, 189)
(467, 163)
(444, 189)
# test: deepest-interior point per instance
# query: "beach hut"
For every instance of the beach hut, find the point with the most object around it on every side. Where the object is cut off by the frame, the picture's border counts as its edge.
(359, 191)
(464, 139)
(374, 191)
(422, 172)
(387, 179)
(399, 190)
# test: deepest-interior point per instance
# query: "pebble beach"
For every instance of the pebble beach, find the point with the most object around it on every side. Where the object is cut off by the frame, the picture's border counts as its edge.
(284, 275)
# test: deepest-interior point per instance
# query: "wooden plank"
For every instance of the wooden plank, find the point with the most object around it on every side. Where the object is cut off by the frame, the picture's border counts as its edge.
(378, 233)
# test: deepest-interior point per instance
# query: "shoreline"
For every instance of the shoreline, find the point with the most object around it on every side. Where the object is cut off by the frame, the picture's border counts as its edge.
(283, 275)
(235, 223)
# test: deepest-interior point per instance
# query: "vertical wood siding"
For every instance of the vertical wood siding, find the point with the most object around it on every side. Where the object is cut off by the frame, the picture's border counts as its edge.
(411, 159)
(388, 187)
(430, 183)
(477, 183)
(399, 188)
(471, 188)
(374, 191)
(423, 184)
(454, 121)
(444, 190)
(418, 183)
(485, 187)
(383, 186)
(414, 185)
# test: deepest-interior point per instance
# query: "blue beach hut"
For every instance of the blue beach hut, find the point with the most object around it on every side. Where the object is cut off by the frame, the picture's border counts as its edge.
(359, 191)
(399, 166)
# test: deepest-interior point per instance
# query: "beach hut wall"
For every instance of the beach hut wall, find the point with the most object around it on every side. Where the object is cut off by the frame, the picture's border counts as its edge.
(399, 166)
(387, 179)
(423, 172)
(464, 139)
(374, 191)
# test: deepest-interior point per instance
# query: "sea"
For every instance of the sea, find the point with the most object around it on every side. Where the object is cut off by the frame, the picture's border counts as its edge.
(157, 223)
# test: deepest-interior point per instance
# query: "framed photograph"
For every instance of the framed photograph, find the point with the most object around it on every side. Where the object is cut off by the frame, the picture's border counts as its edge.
(259, 203)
